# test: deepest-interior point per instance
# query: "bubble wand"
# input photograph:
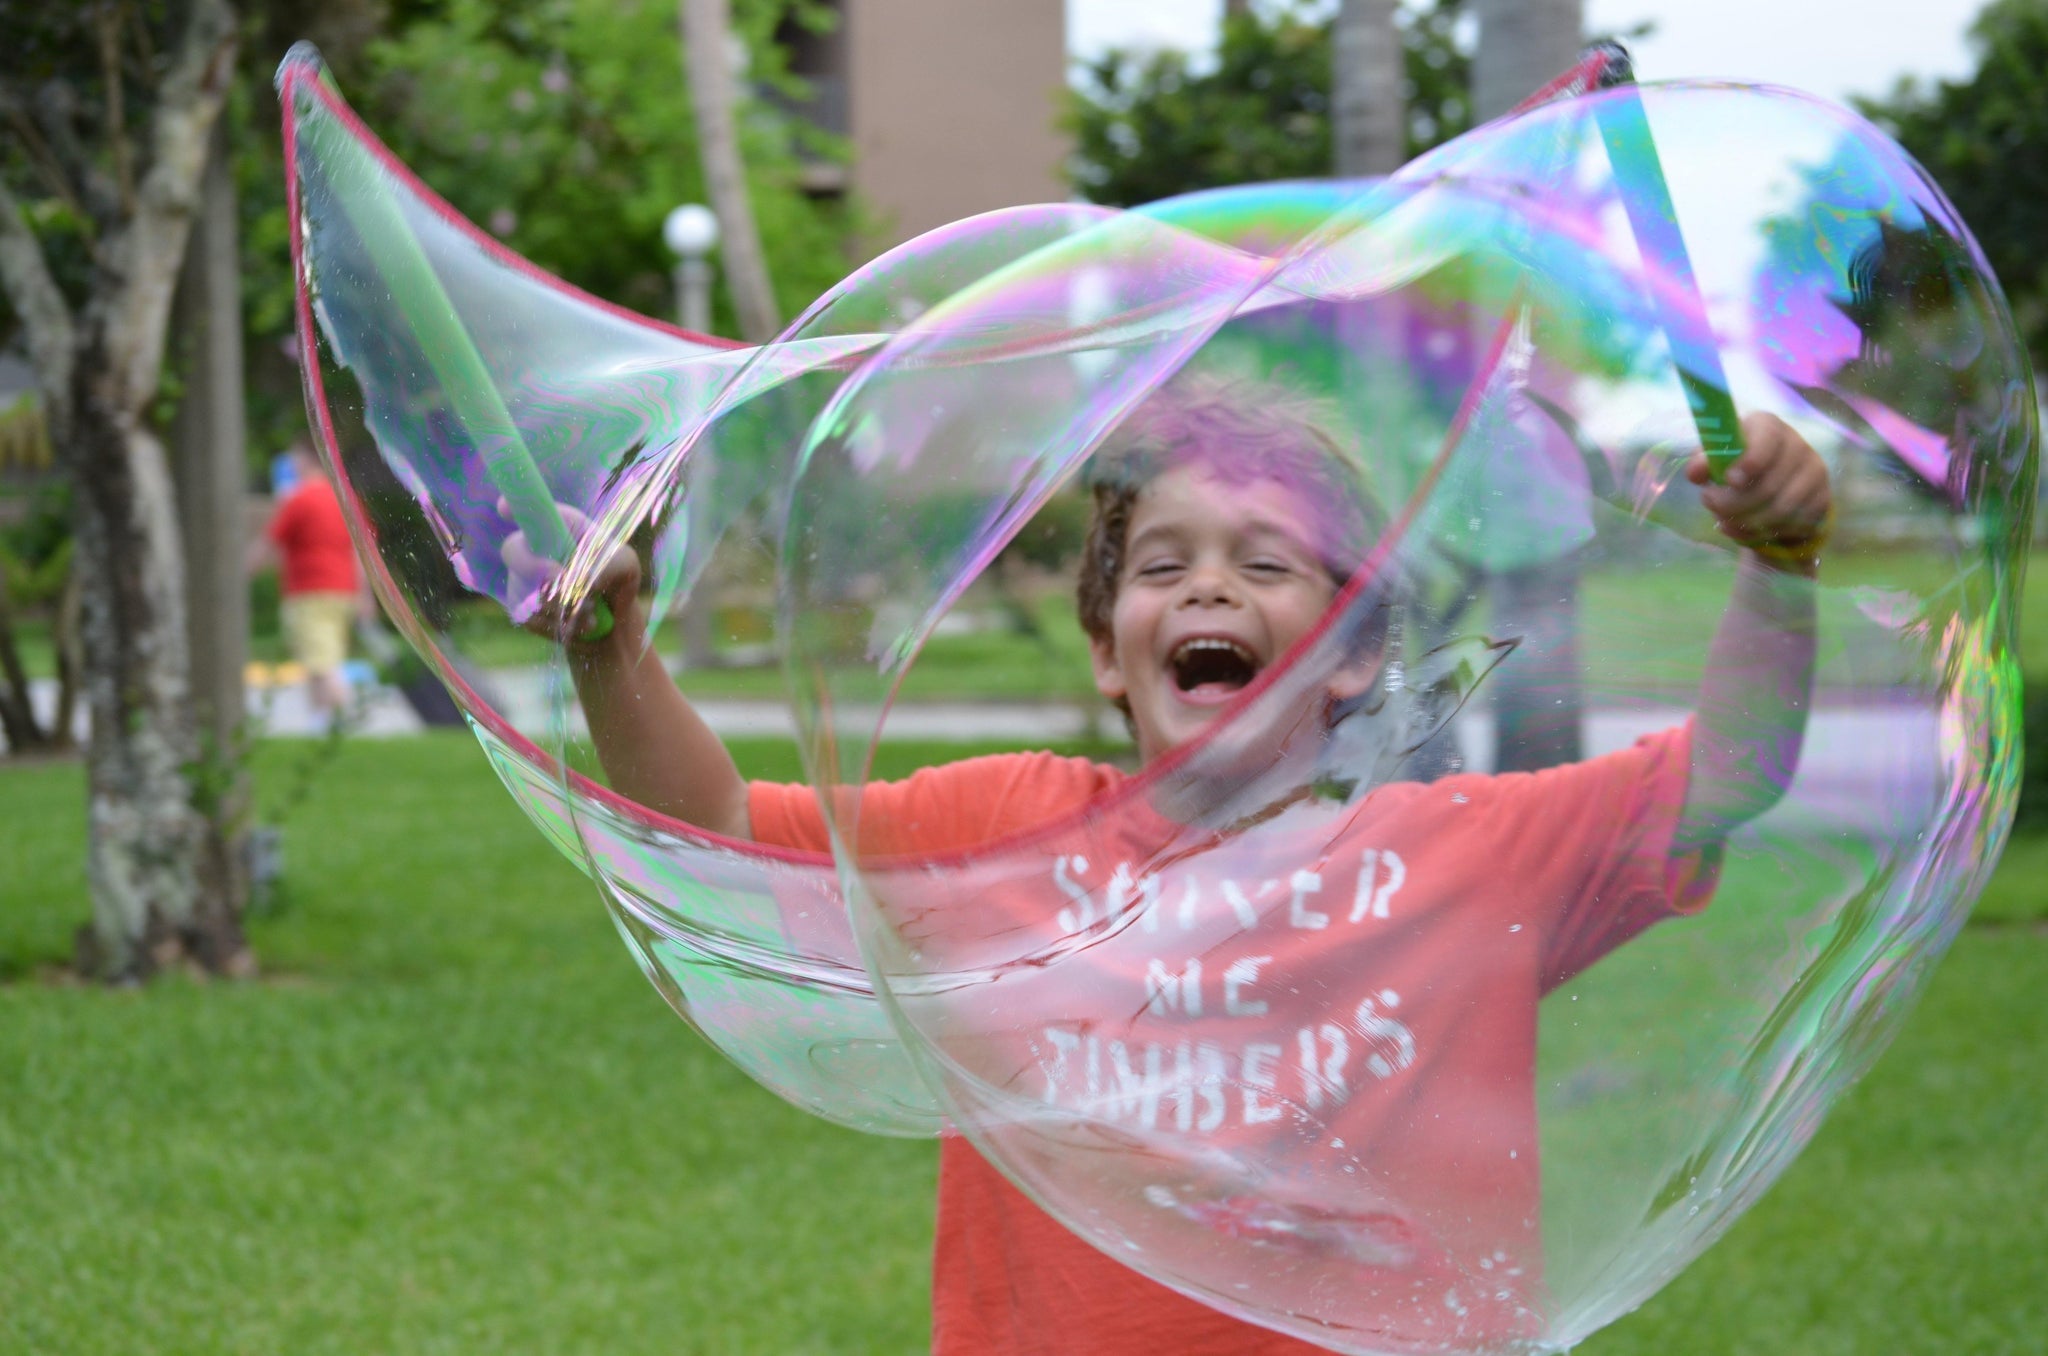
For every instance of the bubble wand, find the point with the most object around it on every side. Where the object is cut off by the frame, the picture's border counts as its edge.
(417, 293)
(1681, 311)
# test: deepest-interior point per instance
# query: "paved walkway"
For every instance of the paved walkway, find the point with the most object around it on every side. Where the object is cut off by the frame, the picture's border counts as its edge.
(1858, 745)
(522, 696)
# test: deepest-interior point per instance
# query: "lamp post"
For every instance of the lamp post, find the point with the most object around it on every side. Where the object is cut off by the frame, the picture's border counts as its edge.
(691, 233)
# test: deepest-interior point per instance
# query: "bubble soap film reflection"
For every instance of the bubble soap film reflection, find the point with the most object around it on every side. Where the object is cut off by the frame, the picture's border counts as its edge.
(1309, 1018)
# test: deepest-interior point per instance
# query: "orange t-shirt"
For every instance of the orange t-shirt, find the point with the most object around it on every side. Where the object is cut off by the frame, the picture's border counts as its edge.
(312, 536)
(1462, 902)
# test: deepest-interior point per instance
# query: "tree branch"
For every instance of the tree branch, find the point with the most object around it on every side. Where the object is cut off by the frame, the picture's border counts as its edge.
(56, 112)
(40, 156)
(144, 53)
(33, 293)
(707, 66)
(107, 26)
(152, 244)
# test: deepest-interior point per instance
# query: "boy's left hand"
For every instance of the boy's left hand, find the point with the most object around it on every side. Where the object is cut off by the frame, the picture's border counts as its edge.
(1777, 499)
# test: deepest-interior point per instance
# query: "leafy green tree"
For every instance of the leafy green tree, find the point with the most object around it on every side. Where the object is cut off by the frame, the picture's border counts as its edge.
(1985, 140)
(1148, 127)
(565, 128)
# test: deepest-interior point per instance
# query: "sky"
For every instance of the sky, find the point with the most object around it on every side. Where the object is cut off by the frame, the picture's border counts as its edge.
(1832, 48)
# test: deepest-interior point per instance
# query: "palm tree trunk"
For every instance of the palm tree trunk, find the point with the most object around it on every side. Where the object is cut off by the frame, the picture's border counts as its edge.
(707, 39)
(1538, 698)
(1523, 45)
(1367, 108)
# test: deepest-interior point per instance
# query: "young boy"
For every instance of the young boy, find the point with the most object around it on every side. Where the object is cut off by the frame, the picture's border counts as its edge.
(1226, 523)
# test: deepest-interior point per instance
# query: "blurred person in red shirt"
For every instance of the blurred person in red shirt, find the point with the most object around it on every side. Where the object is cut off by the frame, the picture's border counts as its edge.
(308, 539)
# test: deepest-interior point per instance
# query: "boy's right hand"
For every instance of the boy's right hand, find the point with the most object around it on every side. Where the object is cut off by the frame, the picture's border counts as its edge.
(1777, 500)
(617, 583)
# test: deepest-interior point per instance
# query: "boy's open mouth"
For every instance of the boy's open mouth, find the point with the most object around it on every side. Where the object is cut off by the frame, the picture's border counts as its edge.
(1211, 666)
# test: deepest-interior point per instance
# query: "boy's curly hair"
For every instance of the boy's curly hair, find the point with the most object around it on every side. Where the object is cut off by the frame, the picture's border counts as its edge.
(1240, 430)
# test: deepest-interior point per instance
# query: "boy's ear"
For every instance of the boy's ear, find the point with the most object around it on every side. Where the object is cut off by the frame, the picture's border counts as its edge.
(1355, 677)
(1109, 675)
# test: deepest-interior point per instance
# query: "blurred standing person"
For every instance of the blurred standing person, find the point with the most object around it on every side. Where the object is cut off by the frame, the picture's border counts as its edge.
(308, 538)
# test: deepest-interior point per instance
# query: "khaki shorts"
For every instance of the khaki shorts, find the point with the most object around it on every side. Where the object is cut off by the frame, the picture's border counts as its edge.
(316, 628)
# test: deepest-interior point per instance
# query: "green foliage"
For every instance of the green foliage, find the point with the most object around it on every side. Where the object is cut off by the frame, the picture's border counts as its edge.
(945, 522)
(266, 605)
(2033, 810)
(1150, 127)
(1056, 533)
(1985, 141)
(35, 551)
(1436, 58)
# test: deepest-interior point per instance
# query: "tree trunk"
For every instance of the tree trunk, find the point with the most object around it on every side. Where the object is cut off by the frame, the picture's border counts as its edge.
(70, 654)
(1367, 105)
(208, 437)
(17, 710)
(1523, 45)
(146, 837)
(1368, 117)
(1538, 697)
(707, 39)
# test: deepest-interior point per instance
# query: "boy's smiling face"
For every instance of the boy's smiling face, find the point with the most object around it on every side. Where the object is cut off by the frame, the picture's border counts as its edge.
(1218, 580)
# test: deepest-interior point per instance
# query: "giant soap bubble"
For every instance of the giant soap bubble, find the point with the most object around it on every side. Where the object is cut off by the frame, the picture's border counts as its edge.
(460, 394)
(1324, 1014)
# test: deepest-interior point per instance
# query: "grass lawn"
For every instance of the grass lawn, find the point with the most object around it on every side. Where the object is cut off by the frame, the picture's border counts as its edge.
(454, 1119)
(997, 664)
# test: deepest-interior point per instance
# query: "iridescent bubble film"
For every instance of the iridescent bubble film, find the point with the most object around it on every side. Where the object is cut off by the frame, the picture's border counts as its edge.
(1510, 862)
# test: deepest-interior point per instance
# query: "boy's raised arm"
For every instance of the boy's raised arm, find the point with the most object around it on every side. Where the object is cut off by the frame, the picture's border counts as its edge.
(654, 746)
(1777, 503)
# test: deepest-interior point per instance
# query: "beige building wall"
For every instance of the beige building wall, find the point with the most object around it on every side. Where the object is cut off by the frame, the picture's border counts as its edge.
(951, 107)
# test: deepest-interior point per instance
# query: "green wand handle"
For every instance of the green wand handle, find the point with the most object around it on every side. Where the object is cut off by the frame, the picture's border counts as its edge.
(464, 380)
(1681, 312)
